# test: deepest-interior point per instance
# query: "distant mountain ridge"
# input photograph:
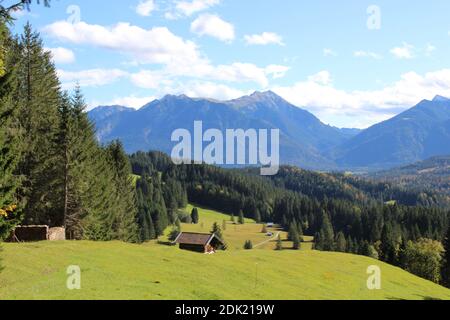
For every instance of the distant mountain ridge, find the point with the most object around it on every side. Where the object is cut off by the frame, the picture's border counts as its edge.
(416, 134)
(304, 138)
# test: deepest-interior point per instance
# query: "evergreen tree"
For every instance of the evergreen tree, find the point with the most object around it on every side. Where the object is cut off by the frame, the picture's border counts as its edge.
(173, 234)
(241, 219)
(327, 233)
(37, 92)
(341, 242)
(350, 245)
(318, 241)
(388, 251)
(257, 216)
(300, 230)
(195, 216)
(446, 260)
(124, 221)
(296, 240)
(218, 232)
(293, 232)
(9, 137)
(248, 245)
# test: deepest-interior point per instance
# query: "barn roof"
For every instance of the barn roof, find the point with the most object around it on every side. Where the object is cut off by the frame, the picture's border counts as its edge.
(196, 238)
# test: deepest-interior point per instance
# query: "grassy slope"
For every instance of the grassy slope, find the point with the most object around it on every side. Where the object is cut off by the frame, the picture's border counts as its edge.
(235, 235)
(116, 270)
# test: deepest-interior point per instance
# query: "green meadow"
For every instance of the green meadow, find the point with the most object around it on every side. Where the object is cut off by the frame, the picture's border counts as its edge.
(115, 270)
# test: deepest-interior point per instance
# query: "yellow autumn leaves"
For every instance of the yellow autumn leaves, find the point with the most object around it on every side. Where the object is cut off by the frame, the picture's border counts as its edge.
(8, 210)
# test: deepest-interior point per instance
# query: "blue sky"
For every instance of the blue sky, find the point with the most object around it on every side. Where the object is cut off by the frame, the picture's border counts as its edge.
(352, 63)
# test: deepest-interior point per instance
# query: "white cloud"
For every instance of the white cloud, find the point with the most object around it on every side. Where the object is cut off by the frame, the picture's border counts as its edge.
(263, 39)
(365, 108)
(149, 79)
(174, 56)
(406, 51)
(429, 49)
(212, 25)
(62, 55)
(276, 71)
(156, 45)
(188, 8)
(329, 53)
(145, 8)
(209, 90)
(90, 78)
(236, 73)
(132, 101)
(367, 54)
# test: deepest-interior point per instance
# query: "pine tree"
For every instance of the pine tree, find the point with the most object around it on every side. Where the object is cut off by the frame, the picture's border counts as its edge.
(241, 219)
(9, 136)
(388, 251)
(300, 230)
(327, 233)
(257, 216)
(295, 240)
(38, 97)
(195, 216)
(350, 245)
(446, 260)
(173, 234)
(218, 232)
(124, 224)
(318, 242)
(248, 245)
(293, 233)
(341, 242)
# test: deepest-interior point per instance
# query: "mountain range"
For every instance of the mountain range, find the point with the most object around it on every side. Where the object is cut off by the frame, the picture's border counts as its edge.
(416, 134)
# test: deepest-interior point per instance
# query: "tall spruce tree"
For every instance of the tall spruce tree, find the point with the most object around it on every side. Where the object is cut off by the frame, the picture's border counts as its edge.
(37, 91)
(241, 219)
(124, 223)
(341, 242)
(195, 216)
(9, 135)
(327, 233)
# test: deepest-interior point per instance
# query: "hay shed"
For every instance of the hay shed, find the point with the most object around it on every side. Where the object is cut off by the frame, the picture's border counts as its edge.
(36, 233)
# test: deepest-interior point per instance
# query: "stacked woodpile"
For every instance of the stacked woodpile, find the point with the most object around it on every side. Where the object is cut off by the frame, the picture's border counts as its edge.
(57, 234)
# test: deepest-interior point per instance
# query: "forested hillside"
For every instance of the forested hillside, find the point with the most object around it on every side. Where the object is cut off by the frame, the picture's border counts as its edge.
(339, 215)
(53, 170)
(431, 174)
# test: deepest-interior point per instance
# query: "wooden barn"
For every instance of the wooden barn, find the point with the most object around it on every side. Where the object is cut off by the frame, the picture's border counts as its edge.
(199, 242)
(36, 233)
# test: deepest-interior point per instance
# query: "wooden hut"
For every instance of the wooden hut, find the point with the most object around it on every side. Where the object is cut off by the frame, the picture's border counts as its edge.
(199, 242)
(36, 233)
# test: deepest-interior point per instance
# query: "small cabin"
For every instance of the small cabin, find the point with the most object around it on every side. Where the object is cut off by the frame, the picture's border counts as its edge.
(199, 242)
